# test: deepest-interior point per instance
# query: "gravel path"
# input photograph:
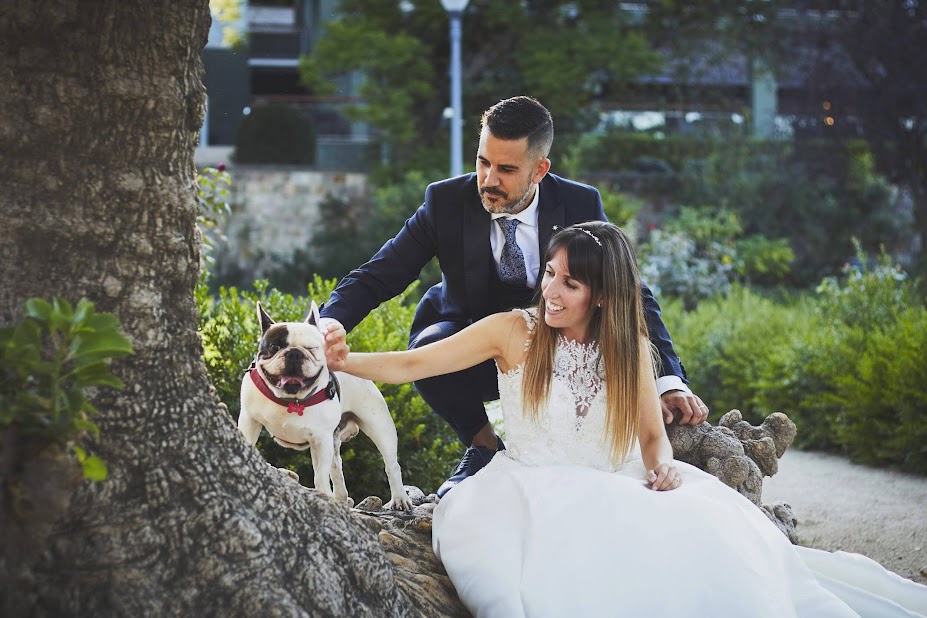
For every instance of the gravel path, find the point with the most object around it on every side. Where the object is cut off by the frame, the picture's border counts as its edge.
(840, 505)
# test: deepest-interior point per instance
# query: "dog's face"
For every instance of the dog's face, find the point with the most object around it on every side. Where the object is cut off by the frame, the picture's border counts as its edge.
(291, 355)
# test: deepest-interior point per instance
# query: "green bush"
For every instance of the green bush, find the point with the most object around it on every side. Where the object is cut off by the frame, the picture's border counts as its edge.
(731, 346)
(816, 194)
(275, 133)
(883, 416)
(47, 362)
(702, 251)
(846, 363)
(428, 449)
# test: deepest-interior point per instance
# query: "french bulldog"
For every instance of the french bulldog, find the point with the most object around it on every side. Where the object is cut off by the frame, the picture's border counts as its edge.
(289, 391)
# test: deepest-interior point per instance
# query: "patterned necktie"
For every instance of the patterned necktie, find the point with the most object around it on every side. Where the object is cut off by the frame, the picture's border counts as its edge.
(512, 265)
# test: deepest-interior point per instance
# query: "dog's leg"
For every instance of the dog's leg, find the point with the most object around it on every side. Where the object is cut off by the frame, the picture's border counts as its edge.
(322, 454)
(382, 432)
(341, 490)
(249, 428)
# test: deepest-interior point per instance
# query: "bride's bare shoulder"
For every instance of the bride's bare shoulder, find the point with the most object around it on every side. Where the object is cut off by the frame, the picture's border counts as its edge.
(515, 330)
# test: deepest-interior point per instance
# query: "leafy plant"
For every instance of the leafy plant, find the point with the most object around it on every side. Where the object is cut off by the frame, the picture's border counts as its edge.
(702, 251)
(846, 362)
(48, 361)
(673, 264)
(212, 185)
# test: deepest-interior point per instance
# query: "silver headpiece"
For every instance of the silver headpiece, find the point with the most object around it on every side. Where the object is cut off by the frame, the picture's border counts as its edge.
(557, 228)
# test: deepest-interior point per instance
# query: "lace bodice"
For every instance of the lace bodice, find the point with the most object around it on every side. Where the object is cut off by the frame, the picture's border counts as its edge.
(572, 428)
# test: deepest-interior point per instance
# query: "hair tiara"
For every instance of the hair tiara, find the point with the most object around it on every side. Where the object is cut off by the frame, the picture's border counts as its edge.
(557, 228)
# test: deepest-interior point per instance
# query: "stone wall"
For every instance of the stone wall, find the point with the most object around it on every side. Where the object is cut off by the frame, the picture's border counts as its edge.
(276, 212)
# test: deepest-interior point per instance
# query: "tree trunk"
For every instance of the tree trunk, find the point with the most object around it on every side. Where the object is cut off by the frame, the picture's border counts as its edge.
(101, 104)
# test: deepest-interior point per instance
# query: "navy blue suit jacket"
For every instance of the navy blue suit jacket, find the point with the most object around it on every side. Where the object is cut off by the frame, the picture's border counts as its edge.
(453, 225)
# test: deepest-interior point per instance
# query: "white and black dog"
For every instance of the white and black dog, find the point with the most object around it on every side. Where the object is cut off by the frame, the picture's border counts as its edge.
(290, 391)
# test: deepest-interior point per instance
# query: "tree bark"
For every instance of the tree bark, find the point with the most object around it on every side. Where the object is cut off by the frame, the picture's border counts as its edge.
(101, 104)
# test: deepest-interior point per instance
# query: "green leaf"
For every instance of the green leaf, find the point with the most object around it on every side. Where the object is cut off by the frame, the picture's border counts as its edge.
(94, 469)
(94, 374)
(95, 345)
(82, 424)
(38, 309)
(83, 311)
(102, 322)
(62, 315)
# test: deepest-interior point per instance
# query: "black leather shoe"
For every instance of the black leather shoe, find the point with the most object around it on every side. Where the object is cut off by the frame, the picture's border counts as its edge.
(474, 460)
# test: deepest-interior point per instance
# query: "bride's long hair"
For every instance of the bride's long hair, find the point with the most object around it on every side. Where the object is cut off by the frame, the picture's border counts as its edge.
(600, 256)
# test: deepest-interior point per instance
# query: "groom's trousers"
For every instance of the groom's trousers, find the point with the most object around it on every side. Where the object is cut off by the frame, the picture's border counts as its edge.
(458, 397)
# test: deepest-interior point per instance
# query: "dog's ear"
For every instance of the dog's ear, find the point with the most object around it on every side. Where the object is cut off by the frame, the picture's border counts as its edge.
(313, 317)
(263, 318)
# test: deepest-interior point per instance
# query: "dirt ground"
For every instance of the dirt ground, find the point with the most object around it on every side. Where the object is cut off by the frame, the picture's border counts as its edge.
(879, 513)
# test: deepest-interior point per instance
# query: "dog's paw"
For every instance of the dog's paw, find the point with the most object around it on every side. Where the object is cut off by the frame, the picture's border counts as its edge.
(345, 499)
(290, 474)
(399, 503)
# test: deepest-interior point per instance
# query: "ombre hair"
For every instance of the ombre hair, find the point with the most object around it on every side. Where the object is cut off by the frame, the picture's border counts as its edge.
(600, 256)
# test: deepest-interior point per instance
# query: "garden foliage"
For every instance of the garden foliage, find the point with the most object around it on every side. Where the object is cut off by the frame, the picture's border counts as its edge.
(428, 449)
(845, 362)
(817, 194)
(48, 360)
(703, 251)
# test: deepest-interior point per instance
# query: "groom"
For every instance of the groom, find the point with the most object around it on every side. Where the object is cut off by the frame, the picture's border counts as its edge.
(488, 231)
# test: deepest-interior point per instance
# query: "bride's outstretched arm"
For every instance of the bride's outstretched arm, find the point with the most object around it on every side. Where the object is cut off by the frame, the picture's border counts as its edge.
(655, 446)
(500, 336)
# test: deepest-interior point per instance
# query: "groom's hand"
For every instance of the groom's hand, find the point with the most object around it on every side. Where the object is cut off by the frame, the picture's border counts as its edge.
(691, 408)
(336, 346)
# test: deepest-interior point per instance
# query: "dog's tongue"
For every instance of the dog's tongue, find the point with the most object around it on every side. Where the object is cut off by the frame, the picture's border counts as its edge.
(290, 384)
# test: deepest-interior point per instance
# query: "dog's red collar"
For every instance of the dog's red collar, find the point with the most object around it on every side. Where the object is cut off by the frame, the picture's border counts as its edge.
(296, 406)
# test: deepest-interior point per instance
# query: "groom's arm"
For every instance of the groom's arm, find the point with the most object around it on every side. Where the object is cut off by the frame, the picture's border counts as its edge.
(672, 373)
(388, 273)
(672, 384)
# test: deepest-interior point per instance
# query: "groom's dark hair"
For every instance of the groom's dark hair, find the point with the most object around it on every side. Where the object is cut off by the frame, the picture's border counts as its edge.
(520, 117)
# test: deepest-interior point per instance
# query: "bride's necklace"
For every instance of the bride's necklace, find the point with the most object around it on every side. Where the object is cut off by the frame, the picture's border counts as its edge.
(579, 366)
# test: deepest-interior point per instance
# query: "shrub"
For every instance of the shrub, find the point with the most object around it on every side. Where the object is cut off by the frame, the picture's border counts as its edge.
(702, 252)
(275, 133)
(815, 193)
(730, 346)
(880, 396)
(845, 363)
(47, 361)
(428, 448)
(213, 185)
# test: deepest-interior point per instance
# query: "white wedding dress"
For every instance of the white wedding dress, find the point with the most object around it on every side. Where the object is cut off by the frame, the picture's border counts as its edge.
(550, 528)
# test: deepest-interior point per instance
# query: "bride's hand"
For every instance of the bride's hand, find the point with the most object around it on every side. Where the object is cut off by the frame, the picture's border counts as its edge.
(664, 477)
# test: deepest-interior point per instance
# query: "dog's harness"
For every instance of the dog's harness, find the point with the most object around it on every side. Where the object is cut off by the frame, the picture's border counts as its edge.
(296, 406)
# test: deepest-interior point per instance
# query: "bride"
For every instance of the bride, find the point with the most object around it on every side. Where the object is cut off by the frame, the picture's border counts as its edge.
(586, 513)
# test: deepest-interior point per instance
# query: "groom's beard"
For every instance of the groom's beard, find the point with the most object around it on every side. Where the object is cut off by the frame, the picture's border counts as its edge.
(506, 206)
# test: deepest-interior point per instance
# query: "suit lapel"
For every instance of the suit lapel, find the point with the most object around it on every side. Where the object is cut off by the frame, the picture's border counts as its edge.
(550, 213)
(477, 251)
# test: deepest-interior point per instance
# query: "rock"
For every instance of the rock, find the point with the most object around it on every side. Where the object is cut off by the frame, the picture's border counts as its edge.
(416, 495)
(781, 514)
(406, 538)
(370, 503)
(739, 455)
(763, 452)
(776, 426)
